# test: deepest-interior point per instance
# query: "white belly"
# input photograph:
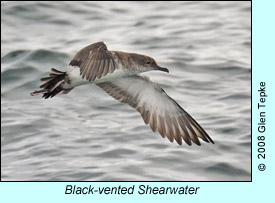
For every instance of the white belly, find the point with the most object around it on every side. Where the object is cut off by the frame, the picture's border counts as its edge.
(76, 79)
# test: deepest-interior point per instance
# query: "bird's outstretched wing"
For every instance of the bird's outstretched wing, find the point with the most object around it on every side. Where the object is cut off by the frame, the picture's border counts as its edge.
(94, 61)
(157, 109)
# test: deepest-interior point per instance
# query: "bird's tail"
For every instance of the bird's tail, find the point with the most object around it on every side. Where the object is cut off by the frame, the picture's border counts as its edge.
(52, 85)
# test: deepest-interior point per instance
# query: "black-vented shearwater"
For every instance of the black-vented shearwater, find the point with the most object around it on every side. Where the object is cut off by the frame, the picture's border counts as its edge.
(118, 74)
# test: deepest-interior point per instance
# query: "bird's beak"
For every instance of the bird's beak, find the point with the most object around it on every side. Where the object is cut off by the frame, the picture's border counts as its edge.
(162, 69)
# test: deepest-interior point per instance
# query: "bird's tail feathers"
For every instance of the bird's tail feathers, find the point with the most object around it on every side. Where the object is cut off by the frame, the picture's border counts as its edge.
(52, 85)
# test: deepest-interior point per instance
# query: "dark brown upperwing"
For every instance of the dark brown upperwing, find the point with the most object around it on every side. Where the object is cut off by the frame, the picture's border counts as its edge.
(94, 61)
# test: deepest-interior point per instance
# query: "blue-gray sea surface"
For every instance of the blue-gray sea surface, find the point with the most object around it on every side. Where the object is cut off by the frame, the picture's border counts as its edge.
(87, 135)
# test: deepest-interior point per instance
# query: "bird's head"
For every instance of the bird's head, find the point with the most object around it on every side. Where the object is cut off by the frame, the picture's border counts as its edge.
(147, 63)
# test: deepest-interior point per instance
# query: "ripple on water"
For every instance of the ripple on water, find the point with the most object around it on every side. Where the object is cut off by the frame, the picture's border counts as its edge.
(222, 168)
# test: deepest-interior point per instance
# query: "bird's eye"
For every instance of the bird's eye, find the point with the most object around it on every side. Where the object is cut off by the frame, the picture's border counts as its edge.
(148, 62)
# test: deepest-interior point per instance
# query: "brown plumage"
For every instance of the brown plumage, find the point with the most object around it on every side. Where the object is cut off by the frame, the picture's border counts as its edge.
(163, 114)
(175, 123)
(94, 61)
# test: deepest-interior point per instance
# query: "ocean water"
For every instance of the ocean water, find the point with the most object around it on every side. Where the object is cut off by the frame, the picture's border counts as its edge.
(87, 135)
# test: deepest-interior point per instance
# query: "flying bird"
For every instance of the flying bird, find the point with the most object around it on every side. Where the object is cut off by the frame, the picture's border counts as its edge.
(119, 74)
